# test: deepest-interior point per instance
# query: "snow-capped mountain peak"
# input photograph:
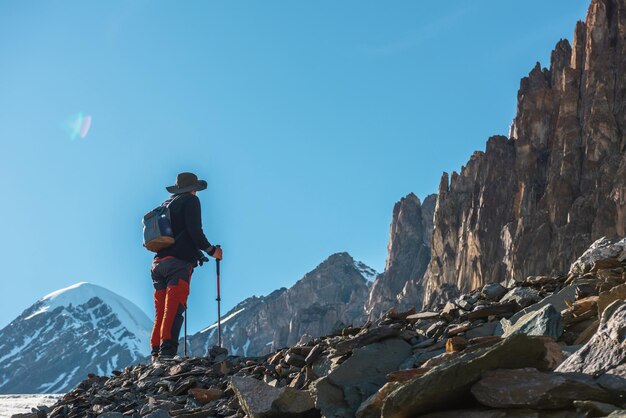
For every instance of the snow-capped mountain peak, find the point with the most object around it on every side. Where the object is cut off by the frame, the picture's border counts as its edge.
(129, 315)
(83, 328)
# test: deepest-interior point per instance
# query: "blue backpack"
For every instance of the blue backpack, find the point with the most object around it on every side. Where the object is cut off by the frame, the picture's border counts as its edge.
(157, 227)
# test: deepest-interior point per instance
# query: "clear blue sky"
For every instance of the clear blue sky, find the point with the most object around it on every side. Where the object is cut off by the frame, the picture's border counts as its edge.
(309, 120)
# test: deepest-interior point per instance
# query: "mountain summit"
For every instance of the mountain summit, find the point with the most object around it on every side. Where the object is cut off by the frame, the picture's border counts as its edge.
(330, 296)
(81, 329)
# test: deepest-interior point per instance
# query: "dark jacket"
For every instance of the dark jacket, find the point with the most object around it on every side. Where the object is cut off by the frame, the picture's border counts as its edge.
(187, 227)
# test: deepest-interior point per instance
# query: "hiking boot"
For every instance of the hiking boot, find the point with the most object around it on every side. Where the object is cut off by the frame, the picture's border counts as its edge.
(168, 359)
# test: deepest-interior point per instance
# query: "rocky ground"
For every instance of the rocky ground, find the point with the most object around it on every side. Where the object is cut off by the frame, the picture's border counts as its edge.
(546, 346)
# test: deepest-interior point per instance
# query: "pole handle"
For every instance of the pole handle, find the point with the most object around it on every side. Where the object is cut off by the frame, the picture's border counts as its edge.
(217, 262)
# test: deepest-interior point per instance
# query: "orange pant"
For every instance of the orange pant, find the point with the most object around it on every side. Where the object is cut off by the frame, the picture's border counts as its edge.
(171, 278)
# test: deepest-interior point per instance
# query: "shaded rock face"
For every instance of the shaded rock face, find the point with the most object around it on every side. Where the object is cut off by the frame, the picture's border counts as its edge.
(449, 383)
(329, 297)
(604, 353)
(408, 256)
(545, 321)
(511, 389)
(342, 391)
(260, 400)
(534, 202)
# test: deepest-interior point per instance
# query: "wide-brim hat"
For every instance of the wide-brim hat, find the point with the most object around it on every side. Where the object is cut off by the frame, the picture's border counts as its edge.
(187, 182)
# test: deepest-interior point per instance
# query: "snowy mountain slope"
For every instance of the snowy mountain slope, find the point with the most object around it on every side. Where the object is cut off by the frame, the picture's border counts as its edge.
(23, 404)
(81, 329)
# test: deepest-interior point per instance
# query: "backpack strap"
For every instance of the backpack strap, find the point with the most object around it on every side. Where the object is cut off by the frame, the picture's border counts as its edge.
(171, 200)
(167, 204)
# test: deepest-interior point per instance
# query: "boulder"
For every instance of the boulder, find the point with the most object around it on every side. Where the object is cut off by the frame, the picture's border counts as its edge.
(524, 296)
(493, 291)
(545, 321)
(406, 375)
(422, 315)
(483, 330)
(260, 400)
(372, 405)
(458, 328)
(449, 312)
(343, 390)
(465, 304)
(556, 299)
(206, 395)
(605, 352)
(418, 359)
(370, 336)
(594, 408)
(530, 388)
(159, 413)
(603, 248)
(495, 309)
(610, 296)
(450, 383)
(503, 413)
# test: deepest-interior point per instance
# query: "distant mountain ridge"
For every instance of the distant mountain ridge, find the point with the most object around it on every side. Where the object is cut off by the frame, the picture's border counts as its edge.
(81, 329)
(330, 296)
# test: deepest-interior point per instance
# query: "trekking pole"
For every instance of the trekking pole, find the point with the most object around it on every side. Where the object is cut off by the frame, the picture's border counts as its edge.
(218, 299)
(185, 330)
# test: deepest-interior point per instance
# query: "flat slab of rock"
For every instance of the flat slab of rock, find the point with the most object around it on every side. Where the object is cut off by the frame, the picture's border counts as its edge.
(493, 291)
(260, 400)
(483, 330)
(450, 383)
(503, 413)
(524, 296)
(530, 388)
(422, 315)
(544, 321)
(343, 390)
(557, 300)
(495, 309)
(371, 407)
(610, 296)
(606, 350)
(371, 336)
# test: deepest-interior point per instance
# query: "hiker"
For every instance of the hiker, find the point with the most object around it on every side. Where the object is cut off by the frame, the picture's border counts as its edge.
(173, 265)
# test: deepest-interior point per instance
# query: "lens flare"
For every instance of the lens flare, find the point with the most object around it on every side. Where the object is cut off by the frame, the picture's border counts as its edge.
(79, 126)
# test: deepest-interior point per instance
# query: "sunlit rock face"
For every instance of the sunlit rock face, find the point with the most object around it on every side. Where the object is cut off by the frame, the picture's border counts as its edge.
(533, 202)
(408, 256)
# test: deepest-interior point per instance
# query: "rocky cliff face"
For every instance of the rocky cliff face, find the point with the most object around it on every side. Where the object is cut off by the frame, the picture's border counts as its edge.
(329, 297)
(533, 202)
(408, 255)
